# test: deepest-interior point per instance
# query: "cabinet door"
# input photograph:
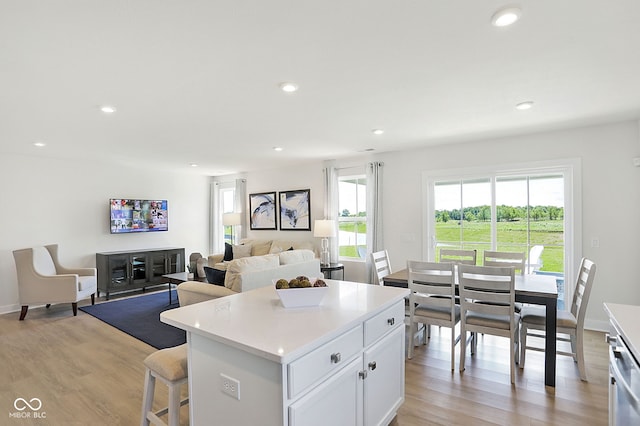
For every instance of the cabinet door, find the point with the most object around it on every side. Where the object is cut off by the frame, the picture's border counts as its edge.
(337, 401)
(139, 268)
(175, 261)
(158, 265)
(118, 273)
(384, 384)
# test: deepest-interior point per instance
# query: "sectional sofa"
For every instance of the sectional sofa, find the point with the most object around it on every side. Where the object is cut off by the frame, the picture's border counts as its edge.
(247, 273)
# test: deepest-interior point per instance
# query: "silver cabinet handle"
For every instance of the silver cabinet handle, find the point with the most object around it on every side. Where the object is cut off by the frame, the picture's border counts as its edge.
(335, 358)
(391, 321)
(372, 365)
(612, 340)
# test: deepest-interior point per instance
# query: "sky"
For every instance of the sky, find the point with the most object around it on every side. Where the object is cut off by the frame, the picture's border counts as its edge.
(548, 191)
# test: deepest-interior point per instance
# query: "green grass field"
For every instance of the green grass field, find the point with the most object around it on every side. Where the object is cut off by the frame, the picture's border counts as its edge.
(512, 236)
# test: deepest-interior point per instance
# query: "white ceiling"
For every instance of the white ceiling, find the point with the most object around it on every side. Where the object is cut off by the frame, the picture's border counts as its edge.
(197, 81)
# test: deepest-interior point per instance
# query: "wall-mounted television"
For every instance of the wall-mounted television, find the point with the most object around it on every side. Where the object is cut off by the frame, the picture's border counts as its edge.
(138, 215)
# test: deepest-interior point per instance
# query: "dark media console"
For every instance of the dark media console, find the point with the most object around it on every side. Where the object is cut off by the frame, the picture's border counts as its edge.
(127, 270)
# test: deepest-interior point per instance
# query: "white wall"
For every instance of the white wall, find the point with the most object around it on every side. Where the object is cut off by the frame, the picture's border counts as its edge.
(47, 201)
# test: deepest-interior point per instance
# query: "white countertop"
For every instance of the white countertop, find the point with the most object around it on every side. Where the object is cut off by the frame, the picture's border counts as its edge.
(626, 318)
(256, 321)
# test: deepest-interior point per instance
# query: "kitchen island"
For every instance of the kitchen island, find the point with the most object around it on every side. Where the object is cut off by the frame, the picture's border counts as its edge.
(252, 361)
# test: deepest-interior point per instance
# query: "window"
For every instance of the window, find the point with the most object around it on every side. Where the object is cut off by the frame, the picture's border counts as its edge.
(525, 210)
(227, 201)
(352, 216)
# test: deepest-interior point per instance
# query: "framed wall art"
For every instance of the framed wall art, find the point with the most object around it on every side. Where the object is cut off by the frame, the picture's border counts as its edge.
(262, 207)
(295, 210)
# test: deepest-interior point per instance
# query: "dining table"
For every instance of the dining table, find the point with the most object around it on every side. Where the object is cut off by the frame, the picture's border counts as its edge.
(534, 289)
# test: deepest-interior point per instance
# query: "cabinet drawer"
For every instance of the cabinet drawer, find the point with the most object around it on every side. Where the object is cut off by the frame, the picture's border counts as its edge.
(324, 360)
(385, 321)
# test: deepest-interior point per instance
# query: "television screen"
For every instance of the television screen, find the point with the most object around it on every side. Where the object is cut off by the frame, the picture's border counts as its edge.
(138, 215)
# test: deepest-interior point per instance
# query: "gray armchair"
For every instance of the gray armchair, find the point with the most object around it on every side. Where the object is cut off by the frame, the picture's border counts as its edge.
(42, 280)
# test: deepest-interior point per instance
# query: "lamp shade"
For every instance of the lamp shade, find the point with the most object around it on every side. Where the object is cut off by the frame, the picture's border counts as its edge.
(231, 219)
(324, 228)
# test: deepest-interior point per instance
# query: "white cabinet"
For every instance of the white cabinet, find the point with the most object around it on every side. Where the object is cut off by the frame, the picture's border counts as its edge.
(338, 364)
(384, 382)
(337, 401)
(375, 379)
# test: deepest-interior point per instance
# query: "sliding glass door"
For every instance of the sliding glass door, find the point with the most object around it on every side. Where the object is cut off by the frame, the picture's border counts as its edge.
(527, 211)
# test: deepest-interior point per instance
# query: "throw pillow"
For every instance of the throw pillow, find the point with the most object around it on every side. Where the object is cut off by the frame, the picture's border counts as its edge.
(228, 252)
(259, 247)
(243, 250)
(214, 276)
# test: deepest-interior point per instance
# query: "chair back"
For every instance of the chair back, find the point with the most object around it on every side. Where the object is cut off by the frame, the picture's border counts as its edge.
(381, 265)
(505, 258)
(42, 261)
(584, 283)
(465, 257)
(493, 285)
(428, 279)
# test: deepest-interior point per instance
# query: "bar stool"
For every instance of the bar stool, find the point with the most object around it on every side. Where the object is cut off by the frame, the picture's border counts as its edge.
(170, 366)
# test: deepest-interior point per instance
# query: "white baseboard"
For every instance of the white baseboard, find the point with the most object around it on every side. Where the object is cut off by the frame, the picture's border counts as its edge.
(7, 309)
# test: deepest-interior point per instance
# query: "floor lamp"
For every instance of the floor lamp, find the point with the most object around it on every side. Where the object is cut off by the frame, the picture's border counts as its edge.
(324, 229)
(232, 219)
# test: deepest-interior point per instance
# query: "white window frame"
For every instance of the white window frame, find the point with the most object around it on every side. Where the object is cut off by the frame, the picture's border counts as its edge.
(569, 168)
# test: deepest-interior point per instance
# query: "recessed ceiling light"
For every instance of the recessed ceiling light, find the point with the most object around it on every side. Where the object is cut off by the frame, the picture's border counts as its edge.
(377, 131)
(193, 164)
(107, 109)
(277, 148)
(288, 87)
(524, 105)
(506, 16)
(39, 144)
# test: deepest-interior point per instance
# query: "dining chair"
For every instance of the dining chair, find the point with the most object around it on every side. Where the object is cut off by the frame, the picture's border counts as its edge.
(569, 323)
(487, 297)
(427, 279)
(466, 257)
(506, 258)
(381, 265)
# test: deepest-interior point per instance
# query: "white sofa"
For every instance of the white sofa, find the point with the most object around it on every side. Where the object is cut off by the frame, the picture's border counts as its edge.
(256, 247)
(252, 272)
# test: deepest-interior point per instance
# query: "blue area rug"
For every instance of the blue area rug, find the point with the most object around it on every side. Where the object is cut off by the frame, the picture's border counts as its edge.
(140, 317)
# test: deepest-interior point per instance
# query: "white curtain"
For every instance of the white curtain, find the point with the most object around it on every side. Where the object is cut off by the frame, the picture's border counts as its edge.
(240, 203)
(331, 206)
(215, 242)
(374, 213)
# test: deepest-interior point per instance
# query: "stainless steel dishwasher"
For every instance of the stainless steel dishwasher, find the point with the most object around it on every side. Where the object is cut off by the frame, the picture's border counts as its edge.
(624, 381)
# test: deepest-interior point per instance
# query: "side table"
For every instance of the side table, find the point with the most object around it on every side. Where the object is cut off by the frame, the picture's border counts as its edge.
(330, 268)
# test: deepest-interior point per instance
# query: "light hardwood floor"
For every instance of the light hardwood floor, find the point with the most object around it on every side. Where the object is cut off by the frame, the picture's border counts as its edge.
(86, 372)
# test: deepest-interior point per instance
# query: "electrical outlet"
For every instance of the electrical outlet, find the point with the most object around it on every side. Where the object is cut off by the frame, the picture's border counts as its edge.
(230, 386)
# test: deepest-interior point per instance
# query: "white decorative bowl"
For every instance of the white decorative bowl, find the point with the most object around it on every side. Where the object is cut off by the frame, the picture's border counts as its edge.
(301, 297)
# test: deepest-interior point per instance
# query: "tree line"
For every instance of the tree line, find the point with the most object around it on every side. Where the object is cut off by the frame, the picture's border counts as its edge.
(504, 213)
